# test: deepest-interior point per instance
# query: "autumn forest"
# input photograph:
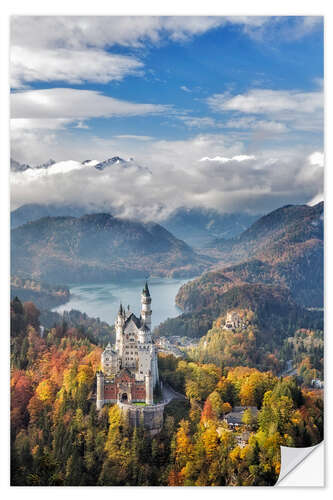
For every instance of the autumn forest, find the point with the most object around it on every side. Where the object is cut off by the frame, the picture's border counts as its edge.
(59, 438)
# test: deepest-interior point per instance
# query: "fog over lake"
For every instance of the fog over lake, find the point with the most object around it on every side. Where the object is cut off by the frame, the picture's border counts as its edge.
(102, 299)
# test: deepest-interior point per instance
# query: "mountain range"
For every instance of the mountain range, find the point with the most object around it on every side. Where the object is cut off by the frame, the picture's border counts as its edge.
(197, 227)
(50, 165)
(62, 244)
(99, 247)
(283, 248)
(278, 271)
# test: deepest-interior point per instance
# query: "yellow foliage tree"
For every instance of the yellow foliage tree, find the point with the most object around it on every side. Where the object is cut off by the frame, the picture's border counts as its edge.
(45, 391)
(184, 447)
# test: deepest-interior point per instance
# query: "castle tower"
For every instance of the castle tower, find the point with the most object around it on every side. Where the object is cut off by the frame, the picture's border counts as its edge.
(146, 306)
(155, 368)
(119, 326)
(100, 391)
(149, 390)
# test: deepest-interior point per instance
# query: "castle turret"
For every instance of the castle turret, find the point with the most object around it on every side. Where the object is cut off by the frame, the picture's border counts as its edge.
(100, 391)
(110, 361)
(146, 306)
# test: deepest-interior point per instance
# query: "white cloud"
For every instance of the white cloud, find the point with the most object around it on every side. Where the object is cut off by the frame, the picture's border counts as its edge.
(255, 124)
(82, 125)
(317, 158)
(255, 184)
(185, 89)
(135, 31)
(316, 199)
(282, 28)
(107, 31)
(134, 137)
(197, 121)
(239, 122)
(54, 47)
(258, 182)
(222, 159)
(74, 66)
(62, 167)
(77, 48)
(17, 124)
(301, 27)
(283, 108)
(73, 104)
(262, 101)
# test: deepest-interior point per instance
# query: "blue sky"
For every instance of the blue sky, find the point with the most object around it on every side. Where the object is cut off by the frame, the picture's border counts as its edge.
(177, 90)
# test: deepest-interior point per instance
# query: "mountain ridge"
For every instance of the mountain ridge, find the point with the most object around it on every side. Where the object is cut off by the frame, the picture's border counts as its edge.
(288, 253)
(99, 247)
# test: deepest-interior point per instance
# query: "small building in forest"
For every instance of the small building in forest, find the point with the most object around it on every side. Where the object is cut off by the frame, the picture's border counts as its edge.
(235, 417)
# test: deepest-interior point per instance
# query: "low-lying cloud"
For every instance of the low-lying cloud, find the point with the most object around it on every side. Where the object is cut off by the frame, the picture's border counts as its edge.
(223, 159)
(250, 183)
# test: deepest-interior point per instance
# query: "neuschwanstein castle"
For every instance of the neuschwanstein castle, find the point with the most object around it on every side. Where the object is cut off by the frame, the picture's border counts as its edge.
(130, 370)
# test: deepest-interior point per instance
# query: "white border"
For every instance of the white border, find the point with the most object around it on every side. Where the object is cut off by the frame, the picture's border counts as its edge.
(142, 7)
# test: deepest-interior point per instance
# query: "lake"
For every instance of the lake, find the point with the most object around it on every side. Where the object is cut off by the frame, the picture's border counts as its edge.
(102, 300)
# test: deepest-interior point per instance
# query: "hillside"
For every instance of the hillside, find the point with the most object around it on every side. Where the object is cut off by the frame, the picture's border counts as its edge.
(97, 248)
(279, 261)
(254, 344)
(277, 314)
(93, 328)
(268, 317)
(279, 237)
(59, 439)
(43, 295)
(283, 248)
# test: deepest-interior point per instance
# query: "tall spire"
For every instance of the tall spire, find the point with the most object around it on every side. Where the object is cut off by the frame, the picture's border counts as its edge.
(146, 306)
(145, 290)
(120, 309)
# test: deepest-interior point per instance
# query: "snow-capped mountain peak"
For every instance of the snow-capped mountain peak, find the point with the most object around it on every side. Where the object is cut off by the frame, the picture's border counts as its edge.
(15, 166)
(115, 160)
(47, 164)
(90, 163)
(62, 167)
